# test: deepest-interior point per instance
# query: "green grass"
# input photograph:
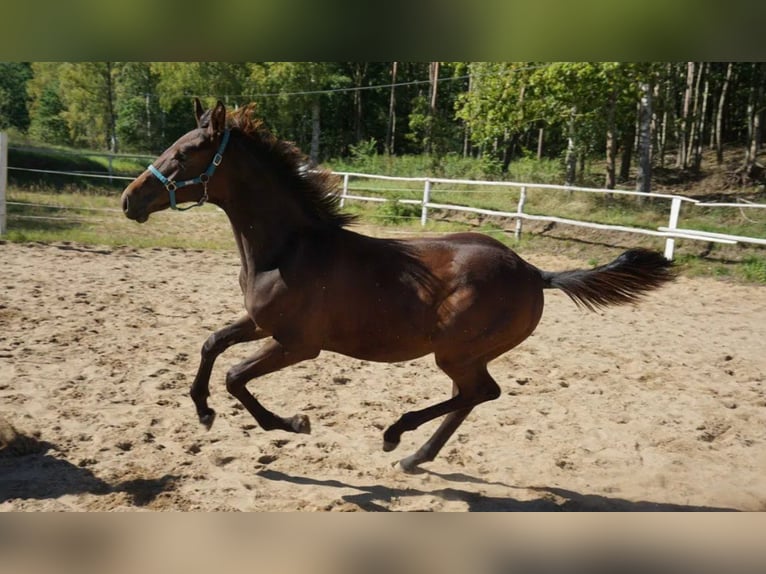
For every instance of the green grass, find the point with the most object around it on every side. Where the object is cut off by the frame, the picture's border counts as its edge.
(97, 219)
(62, 160)
(754, 269)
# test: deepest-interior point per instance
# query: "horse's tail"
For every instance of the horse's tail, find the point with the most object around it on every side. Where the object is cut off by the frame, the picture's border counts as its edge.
(624, 280)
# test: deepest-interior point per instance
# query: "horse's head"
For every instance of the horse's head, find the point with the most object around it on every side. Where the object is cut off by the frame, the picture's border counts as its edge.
(183, 172)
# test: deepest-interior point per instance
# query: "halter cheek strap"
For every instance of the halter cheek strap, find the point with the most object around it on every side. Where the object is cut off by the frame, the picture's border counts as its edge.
(202, 178)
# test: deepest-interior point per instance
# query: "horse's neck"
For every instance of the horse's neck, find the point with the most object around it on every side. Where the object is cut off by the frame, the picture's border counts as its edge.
(261, 233)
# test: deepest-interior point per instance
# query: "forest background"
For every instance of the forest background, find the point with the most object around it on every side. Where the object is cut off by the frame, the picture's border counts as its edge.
(636, 118)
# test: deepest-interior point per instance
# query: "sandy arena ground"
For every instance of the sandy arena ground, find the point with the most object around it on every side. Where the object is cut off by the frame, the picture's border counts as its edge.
(655, 407)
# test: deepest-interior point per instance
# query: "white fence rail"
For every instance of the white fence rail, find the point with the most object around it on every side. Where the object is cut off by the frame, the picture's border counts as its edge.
(671, 232)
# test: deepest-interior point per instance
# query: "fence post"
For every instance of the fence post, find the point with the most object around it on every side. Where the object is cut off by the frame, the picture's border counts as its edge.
(3, 178)
(345, 190)
(670, 242)
(520, 210)
(426, 199)
(111, 173)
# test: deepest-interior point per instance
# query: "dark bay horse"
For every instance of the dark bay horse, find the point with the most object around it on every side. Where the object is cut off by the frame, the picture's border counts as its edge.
(310, 284)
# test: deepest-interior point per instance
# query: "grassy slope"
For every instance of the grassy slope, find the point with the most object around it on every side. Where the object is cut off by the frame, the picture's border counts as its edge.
(91, 214)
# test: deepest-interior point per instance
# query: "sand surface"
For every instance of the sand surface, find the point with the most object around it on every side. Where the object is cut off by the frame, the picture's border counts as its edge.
(660, 406)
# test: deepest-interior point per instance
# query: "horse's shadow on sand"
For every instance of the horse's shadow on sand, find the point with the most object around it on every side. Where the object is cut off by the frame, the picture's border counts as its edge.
(376, 497)
(43, 476)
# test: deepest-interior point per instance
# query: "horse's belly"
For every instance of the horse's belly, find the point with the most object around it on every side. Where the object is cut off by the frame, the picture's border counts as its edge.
(394, 350)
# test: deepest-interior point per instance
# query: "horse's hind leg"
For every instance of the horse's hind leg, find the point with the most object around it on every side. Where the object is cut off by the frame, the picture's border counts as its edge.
(271, 357)
(433, 445)
(471, 386)
(240, 331)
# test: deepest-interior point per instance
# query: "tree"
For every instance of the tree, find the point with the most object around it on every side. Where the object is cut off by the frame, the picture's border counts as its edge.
(178, 82)
(139, 118)
(755, 109)
(87, 92)
(644, 179)
(495, 110)
(47, 123)
(303, 89)
(500, 106)
(720, 113)
(391, 125)
(13, 95)
(621, 82)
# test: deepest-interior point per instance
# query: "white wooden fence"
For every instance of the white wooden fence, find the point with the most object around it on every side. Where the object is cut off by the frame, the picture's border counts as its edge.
(671, 232)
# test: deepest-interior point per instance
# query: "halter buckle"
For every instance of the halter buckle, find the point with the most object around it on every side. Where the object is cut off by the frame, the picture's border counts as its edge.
(204, 198)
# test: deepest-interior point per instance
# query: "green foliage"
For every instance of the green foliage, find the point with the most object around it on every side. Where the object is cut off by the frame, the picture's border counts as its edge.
(139, 118)
(48, 124)
(395, 213)
(363, 155)
(13, 95)
(494, 112)
(87, 90)
(754, 269)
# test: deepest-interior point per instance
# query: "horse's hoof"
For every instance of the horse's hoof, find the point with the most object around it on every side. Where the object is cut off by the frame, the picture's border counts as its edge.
(300, 424)
(408, 465)
(207, 419)
(388, 446)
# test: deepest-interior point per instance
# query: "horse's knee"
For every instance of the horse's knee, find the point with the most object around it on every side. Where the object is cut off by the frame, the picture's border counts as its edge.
(210, 346)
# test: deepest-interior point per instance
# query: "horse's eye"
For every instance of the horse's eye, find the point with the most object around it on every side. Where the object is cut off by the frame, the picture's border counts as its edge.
(180, 156)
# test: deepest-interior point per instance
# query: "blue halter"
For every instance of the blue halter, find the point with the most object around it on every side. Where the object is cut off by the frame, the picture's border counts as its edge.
(202, 178)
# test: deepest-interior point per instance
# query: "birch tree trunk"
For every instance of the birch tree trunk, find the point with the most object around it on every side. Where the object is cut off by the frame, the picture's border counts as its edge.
(466, 127)
(433, 74)
(682, 160)
(694, 134)
(755, 109)
(702, 121)
(611, 142)
(667, 115)
(111, 136)
(644, 178)
(571, 157)
(719, 115)
(391, 128)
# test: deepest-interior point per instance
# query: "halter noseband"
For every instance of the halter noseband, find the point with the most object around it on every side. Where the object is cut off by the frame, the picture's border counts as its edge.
(202, 178)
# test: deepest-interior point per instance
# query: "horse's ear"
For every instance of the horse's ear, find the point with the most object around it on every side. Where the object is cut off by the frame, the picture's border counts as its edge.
(198, 110)
(218, 118)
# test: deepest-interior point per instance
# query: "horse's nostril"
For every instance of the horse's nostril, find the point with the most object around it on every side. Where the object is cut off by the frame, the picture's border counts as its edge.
(124, 203)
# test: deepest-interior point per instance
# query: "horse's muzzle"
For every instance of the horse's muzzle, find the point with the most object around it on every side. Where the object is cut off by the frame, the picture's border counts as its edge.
(130, 210)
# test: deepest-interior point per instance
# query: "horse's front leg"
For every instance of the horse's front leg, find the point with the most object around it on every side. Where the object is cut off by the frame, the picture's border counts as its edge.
(241, 331)
(271, 357)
